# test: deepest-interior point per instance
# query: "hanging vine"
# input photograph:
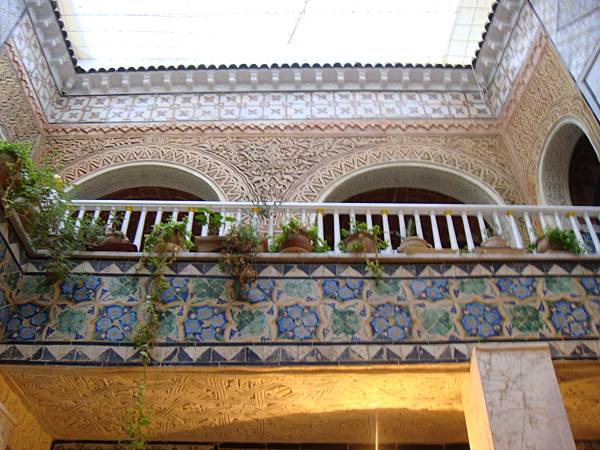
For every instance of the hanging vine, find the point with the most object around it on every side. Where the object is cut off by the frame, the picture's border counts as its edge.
(160, 249)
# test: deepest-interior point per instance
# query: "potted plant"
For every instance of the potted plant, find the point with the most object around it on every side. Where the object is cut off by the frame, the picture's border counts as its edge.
(115, 240)
(213, 220)
(169, 237)
(41, 200)
(412, 243)
(12, 158)
(359, 238)
(297, 238)
(556, 240)
(238, 258)
(494, 242)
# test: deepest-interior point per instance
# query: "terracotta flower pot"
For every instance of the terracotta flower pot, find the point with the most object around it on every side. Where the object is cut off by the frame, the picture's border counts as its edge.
(543, 246)
(296, 243)
(414, 244)
(361, 242)
(495, 242)
(173, 244)
(263, 246)
(115, 241)
(209, 244)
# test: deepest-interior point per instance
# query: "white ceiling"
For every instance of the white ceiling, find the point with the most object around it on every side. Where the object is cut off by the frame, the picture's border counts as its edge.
(133, 33)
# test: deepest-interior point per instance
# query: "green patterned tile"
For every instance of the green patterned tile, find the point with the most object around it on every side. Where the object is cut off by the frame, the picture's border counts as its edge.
(436, 321)
(527, 319)
(203, 289)
(386, 290)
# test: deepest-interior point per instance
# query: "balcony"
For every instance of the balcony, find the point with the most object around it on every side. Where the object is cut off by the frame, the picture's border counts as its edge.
(453, 231)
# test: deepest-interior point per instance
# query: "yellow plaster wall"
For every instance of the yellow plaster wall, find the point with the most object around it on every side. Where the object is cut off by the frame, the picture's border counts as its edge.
(27, 434)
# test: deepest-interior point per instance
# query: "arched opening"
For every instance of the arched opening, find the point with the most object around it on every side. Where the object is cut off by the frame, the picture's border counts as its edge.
(569, 171)
(151, 180)
(584, 174)
(147, 181)
(410, 183)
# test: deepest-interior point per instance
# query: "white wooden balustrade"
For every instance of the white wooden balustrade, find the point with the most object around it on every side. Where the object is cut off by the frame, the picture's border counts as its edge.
(444, 225)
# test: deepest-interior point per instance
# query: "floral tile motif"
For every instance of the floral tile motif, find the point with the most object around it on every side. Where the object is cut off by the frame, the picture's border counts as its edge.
(559, 286)
(115, 323)
(167, 326)
(343, 289)
(526, 319)
(387, 289)
(203, 289)
(123, 289)
(435, 322)
(390, 322)
(299, 289)
(569, 318)
(177, 290)
(80, 288)
(26, 322)
(261, 291)
(297, 322)
(591, 285)
(69, 323)
(467, 288)
(205, 323)
(481, 320)
(521, 287)
(249, 322)
(429, 289)
(11, 275)
(35, 288)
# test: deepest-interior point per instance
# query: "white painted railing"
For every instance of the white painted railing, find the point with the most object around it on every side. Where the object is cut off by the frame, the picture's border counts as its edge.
(443, 225)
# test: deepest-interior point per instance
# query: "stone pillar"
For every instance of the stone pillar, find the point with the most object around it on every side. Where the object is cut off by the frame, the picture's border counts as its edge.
(7, 423)
(512, 400)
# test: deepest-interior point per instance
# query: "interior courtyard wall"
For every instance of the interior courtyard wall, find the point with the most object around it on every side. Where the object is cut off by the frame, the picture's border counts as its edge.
(546, 98)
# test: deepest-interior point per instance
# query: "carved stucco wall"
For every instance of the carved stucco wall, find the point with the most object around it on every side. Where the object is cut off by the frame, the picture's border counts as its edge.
(290, 167)
(27, 434)
(297, 161)
(549, 97)
(16, 117)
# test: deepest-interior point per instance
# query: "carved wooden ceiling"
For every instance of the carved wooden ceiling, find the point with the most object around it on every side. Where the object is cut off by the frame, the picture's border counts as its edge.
(418, 404)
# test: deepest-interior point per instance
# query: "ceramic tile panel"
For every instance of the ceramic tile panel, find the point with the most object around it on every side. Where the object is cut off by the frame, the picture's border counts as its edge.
(10, 13)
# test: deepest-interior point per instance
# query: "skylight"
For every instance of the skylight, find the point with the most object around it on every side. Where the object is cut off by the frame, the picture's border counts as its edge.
(134, 33)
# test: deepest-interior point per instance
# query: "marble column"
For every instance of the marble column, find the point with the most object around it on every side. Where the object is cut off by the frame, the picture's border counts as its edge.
(512, 400)
(7, 423)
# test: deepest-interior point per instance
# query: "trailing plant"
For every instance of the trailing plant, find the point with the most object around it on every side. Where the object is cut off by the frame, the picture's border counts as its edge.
(137, 422)
(564, 238)
(42, 201)
(410, 228)
(213, 219)
(160, 250)
(294, 226)
(238, 259)
(374, 233)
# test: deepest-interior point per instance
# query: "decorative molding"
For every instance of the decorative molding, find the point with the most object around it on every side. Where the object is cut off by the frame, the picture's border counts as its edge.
(549, 97)
(287, 167)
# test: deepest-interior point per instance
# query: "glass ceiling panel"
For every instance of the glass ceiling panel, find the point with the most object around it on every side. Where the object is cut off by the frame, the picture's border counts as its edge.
(133, 33)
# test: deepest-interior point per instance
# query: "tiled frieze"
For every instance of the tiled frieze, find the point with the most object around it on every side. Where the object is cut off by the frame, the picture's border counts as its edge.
(514, 58)
(295, 313)
(10, 12)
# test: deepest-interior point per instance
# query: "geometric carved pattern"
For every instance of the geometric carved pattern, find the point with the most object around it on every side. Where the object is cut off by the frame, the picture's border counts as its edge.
(549, 97)
(285, 167)
(16, 119)
(417, 404)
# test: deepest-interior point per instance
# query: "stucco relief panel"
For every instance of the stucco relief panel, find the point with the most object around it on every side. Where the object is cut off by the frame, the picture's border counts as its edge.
(16, 118)
(283, 167)
(549, 97)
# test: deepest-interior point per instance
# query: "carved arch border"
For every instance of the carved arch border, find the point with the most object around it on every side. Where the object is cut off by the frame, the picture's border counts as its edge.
(231, 182)
(311, 186)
